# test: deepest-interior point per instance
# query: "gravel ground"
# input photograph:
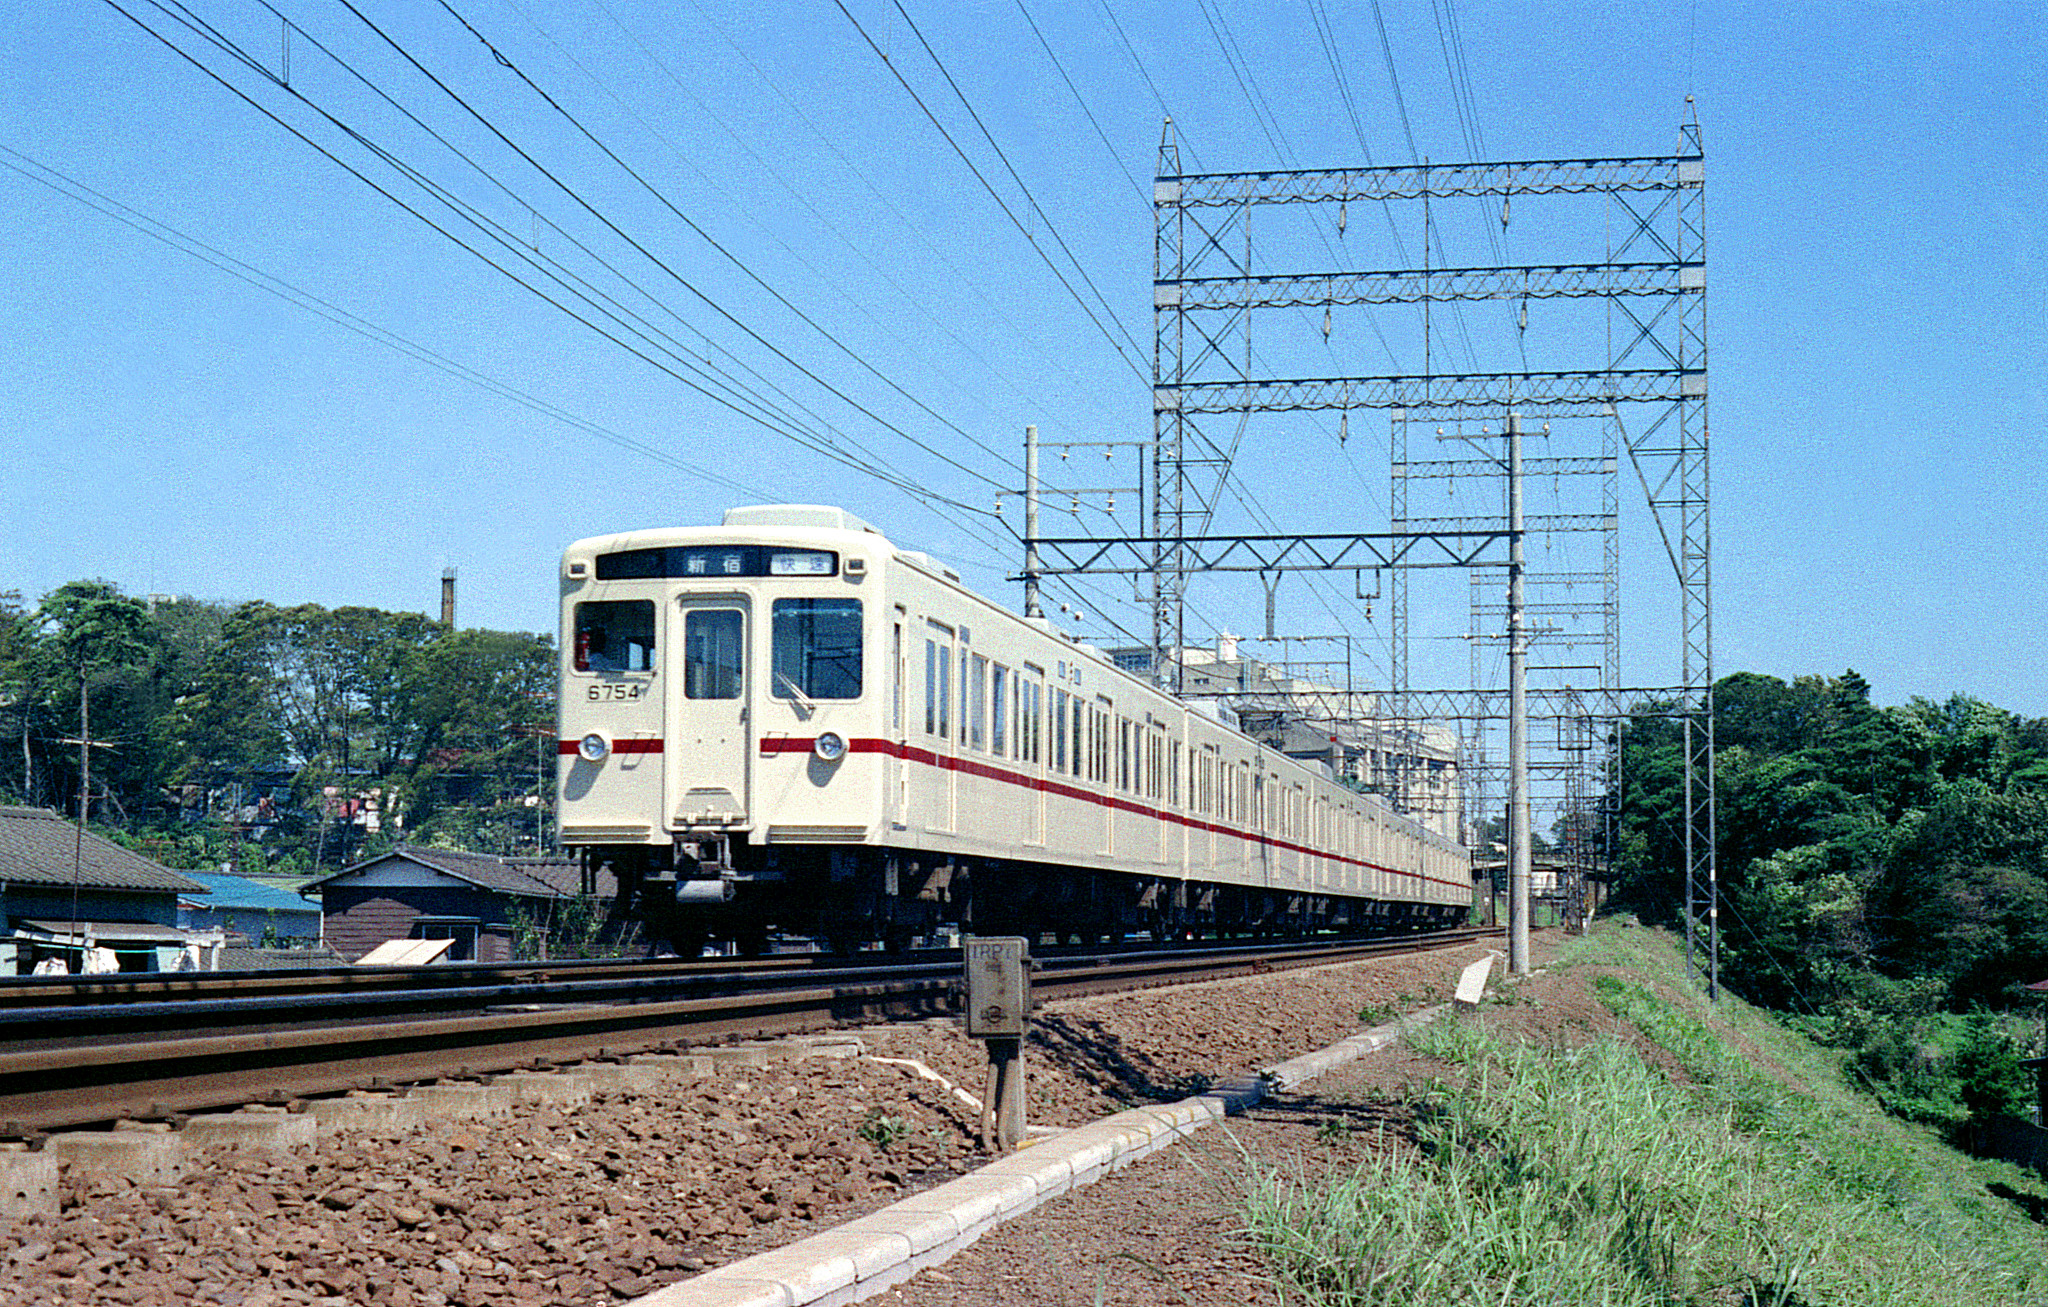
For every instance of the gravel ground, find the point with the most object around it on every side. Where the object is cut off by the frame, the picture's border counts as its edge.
(611, 1199)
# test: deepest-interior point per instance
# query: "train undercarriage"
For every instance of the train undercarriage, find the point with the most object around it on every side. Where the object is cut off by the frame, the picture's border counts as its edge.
(724, 888)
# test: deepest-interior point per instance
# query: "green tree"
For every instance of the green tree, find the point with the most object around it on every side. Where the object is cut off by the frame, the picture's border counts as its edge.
(1987, 1072)
(97, 639)
(221, 726)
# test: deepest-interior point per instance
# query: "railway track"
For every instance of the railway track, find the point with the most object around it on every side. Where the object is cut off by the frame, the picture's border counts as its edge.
(151, 1050)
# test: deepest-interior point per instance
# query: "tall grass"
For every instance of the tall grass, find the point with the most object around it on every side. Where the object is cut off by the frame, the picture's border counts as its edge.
(1567, 1176)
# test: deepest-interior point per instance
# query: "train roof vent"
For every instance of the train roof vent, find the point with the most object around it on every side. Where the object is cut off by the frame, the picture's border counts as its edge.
(804, 515)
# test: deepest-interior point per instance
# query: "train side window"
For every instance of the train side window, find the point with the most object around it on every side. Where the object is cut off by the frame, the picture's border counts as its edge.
(711, 653)
(938, 698)
(1098, 747)
(1059, 730)
(1031, 714)
(1075, 761)
(896, 677)
(976, 716)
(817, 649)
(615, 635)
(999, 710)
(1123, 754)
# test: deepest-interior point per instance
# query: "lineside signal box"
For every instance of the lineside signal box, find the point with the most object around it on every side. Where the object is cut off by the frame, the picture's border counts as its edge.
(998, 986)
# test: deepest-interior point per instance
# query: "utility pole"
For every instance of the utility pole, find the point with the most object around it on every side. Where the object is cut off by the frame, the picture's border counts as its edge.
(1032, 606)
(86, 744)
(1518, 718)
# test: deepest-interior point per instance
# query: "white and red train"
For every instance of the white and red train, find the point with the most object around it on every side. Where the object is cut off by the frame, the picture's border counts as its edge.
(785, 723)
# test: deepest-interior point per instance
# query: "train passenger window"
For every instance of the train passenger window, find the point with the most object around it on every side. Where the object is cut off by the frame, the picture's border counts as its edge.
(1032, 693)
(896, 676)
(1059, 731)
(817, 649)
(1123, 754)
(615, 635)
(938, 697)
(999, 710)
(712, 638)
(976, 716)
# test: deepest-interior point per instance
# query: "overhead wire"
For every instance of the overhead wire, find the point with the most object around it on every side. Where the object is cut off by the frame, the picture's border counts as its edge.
(1075, 91)
(962, 278)
(799, 194)
(554, 269)
(996, 195)
(666, 203)
(764, 418)
(271, 284)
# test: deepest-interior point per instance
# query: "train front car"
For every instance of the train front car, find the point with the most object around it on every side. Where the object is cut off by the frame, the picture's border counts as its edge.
(710, 681)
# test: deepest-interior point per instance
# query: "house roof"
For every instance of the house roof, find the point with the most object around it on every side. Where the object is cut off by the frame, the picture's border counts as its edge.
(233, 958)
(240, 894)
(544, 878)
(40, 847)
(565, 875)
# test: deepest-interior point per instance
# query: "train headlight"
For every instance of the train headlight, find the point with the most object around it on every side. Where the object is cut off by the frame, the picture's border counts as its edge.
(830, 746)
(593, 747)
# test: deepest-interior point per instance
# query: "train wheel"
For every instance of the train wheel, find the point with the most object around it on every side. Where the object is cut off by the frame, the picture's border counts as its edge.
(687, 942)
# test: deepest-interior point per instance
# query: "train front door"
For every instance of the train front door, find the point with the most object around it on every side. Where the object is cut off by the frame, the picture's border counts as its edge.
(709, 734)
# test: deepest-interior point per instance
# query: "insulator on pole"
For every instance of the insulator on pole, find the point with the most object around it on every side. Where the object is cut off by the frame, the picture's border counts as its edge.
(1326, 324)
(1343, 427)
(1342, 216)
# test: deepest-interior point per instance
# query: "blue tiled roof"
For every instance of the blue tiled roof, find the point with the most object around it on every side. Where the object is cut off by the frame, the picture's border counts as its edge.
(238, 894)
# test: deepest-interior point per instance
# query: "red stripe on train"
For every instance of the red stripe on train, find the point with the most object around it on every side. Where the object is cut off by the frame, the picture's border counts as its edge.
(772, 745)
(618, 746)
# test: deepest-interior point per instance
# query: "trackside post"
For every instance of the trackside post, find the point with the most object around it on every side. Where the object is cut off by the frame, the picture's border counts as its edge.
(998, 1003)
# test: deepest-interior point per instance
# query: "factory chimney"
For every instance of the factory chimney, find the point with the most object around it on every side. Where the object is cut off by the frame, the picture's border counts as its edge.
(448, 597)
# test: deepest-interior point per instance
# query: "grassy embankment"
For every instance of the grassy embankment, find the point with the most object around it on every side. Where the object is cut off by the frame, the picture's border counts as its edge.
(1546, 1174)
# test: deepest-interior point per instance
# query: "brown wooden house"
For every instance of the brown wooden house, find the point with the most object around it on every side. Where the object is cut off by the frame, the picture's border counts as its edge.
(477, 901)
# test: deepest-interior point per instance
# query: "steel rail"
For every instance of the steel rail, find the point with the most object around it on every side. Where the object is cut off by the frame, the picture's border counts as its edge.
(46, 991)
(101, 1080)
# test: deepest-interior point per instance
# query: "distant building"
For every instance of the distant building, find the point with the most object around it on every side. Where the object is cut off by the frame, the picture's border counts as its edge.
(1411, 764)
(249, 908)
(473, 899)
(83, 900)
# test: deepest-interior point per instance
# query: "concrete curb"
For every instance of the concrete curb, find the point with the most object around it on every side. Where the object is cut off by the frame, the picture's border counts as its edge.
(872, 1253)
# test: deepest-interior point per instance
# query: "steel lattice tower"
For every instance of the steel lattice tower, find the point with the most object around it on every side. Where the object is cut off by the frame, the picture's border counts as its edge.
(1646, 391)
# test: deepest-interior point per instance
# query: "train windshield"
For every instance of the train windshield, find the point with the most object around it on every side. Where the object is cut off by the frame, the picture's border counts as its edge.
(615, 636)
(817, 649)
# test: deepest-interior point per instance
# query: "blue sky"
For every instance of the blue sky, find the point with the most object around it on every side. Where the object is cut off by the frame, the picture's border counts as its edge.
(1876, 312)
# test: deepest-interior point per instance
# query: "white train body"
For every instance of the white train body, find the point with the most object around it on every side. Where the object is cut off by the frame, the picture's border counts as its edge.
(783, 722)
